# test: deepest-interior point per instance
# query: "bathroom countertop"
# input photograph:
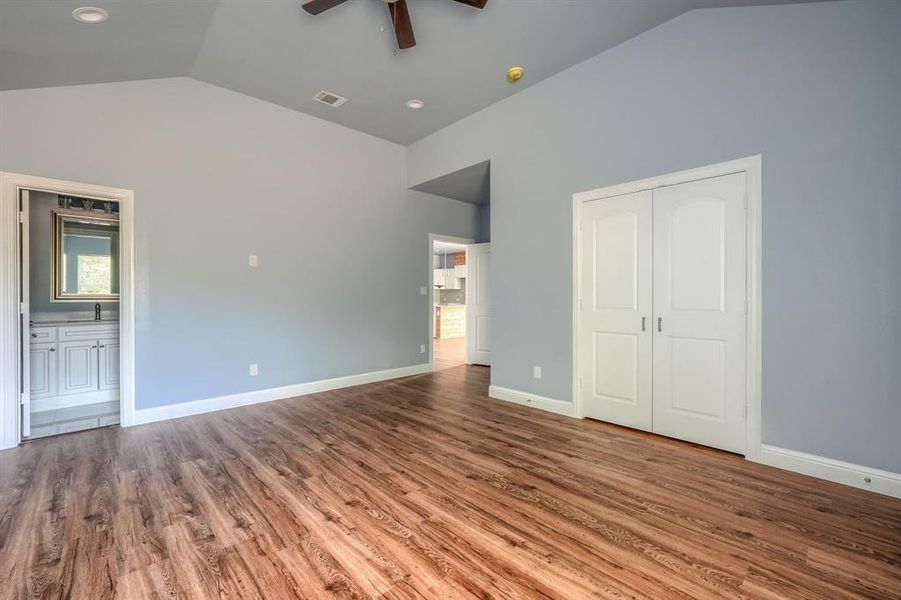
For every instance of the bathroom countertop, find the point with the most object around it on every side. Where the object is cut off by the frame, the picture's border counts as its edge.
(58, 322)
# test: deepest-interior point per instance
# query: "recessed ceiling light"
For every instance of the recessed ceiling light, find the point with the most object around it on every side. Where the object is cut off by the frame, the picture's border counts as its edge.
(415, 104)
(90, 14)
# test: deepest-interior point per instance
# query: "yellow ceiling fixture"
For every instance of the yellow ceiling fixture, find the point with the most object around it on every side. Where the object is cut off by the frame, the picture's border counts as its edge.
(514, 74)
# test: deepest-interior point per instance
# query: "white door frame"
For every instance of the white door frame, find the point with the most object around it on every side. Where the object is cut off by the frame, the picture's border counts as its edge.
(10, 183)
(751, 166)
(437, 237)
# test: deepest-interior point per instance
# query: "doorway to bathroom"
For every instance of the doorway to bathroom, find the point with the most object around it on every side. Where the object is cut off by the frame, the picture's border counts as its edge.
(70, 282)
(72, 273)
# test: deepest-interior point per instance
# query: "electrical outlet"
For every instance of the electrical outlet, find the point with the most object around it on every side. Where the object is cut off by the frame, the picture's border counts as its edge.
(422, 348)
(536, 372)
(254, 370)
(423, 291)
(253, 260)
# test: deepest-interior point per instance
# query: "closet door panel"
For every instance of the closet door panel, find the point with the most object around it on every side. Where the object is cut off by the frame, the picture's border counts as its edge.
(699, 308)
(615, 338)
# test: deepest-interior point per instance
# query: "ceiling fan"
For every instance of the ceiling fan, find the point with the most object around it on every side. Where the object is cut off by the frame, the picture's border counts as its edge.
(400, 16)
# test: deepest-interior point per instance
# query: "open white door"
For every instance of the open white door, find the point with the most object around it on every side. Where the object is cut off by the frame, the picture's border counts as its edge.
(24, 318)
(478, 304)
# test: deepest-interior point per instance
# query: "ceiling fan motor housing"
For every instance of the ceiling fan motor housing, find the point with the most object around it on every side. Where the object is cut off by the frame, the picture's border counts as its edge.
(397, 9)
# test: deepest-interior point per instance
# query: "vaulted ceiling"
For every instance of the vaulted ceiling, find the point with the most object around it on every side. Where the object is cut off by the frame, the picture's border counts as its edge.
(273, 50)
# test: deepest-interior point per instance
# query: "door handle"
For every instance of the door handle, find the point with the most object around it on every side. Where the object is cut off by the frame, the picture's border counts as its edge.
(659, 324)
(643, 319)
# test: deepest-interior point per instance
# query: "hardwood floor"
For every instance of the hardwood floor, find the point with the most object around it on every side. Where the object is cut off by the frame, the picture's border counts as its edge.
(424, 488)
(448, 353)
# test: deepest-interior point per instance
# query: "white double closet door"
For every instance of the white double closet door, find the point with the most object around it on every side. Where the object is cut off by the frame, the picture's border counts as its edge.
(663, 311)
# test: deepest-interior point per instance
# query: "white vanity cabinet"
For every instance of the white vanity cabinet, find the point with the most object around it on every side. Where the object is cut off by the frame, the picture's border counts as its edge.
(42, 366)
(77, 367)
(108, 364)
(73, 364)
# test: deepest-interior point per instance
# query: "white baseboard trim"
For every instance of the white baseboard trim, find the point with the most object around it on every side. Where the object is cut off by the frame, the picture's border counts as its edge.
(549, 404)
(865, 478)
(196, 407)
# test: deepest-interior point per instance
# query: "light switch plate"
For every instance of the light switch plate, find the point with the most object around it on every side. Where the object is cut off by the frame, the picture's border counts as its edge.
(254, 370)
(536, 372)
(423, 291)
(253, 260)
(422, 348)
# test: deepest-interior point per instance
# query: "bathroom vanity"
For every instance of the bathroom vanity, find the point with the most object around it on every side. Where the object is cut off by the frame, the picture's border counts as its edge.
(74, 375)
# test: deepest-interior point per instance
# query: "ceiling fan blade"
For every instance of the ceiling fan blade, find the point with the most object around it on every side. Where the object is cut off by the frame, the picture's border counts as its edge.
(314, 7)
(474, 3)
(403, 26)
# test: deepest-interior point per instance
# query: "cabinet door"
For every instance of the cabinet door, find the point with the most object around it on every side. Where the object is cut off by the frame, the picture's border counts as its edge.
(77, 367)
(108, 357)
(450, 278)
(42, 370)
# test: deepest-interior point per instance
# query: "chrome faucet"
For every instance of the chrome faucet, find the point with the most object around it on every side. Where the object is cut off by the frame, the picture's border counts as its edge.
(97, 312)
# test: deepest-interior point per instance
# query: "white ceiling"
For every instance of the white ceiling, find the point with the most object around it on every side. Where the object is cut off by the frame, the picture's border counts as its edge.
(443, 248)
(273, 50)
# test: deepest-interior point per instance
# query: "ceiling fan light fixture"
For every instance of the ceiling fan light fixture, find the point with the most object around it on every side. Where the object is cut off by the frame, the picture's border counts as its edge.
(415, 104)
(90, 14)
(397, 11)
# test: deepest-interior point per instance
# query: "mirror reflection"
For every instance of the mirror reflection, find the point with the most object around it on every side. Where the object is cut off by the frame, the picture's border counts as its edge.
(86, 252)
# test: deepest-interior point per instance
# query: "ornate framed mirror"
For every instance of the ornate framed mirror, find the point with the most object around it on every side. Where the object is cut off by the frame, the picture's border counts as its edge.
(85, 257)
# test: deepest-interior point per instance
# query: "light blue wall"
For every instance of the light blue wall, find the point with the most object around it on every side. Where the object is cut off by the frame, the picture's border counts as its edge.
(484, 233)
(815, 89)
(218, 176)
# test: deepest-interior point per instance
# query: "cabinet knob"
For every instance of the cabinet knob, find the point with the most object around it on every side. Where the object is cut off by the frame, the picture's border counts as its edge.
(103, 345)
(52, 349)
(94, 346)
(34, 335)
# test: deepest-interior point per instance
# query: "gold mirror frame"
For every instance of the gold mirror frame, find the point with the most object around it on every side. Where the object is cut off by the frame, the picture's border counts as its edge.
(59, 218)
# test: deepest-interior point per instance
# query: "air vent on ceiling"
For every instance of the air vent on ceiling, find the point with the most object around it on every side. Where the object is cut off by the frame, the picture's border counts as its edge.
(333, 100)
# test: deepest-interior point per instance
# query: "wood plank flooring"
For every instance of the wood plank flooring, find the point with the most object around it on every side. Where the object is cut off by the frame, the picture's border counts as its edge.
(448, 353)
(424, 488)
